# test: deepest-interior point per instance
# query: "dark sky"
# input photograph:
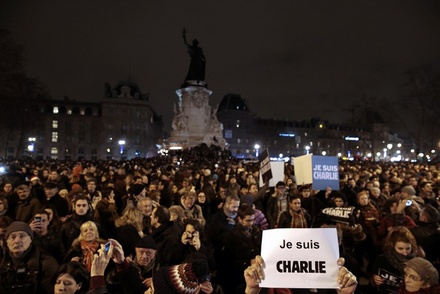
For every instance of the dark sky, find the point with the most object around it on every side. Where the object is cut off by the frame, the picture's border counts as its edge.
(289, 59)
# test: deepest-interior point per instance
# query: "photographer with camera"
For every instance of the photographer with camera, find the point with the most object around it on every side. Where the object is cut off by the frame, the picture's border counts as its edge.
(47, 238)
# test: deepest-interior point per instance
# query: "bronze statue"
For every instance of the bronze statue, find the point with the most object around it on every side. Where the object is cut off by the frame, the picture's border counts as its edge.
(196, 70)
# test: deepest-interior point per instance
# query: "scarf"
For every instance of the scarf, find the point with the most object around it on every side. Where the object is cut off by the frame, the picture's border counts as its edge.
(396, 260)
(298, 219)
(88, 251)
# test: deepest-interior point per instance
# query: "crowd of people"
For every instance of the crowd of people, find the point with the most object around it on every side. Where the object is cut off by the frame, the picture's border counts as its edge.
(192, 223)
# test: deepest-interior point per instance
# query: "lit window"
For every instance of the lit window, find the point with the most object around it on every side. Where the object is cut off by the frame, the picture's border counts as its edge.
(55, 124)
(69, 111)
(238, 123)
(54, 150)
(54, 137)
(55, 109)
(82, 112)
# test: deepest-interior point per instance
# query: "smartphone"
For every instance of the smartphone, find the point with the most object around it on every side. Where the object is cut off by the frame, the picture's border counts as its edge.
(107, 247)
(408, 202)
(37, 219)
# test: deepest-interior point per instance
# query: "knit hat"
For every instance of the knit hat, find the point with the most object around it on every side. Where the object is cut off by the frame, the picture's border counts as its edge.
(247, 199)
(424, 269)
(19, 226)
(136, 189)
(410, 190)
(146, 242)
(181, 278)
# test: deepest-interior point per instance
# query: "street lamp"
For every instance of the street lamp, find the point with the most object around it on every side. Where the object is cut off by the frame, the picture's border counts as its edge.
(121, 146)
(31, 146)
(307, 149)
(257, 149)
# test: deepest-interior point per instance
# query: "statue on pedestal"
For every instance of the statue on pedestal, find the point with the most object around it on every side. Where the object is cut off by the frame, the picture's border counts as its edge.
(196, 69)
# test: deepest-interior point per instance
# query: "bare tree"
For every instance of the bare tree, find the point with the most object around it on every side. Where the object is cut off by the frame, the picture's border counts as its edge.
(417, 110)
(18, 95)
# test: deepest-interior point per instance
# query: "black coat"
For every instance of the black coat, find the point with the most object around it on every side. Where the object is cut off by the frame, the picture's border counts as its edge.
(32, 275)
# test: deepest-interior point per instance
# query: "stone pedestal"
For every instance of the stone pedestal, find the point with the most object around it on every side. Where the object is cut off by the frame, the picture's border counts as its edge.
(194, 121)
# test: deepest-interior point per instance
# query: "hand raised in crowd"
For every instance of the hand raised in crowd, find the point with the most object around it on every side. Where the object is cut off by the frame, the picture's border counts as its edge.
(254, 274)
(206, 287)
(100, 261)
(117, 253)
(195, 241)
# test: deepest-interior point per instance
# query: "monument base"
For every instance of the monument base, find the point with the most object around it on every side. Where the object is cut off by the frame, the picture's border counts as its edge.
(194, 121)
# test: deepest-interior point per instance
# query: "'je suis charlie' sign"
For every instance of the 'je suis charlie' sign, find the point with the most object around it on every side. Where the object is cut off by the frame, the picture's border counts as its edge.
(321, 171)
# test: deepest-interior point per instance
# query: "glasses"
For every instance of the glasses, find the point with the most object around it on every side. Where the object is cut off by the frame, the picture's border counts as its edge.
(412, 277)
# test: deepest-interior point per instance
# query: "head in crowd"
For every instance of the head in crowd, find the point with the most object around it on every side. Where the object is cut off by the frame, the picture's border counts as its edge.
(146, 206)
(131, 216)
(429, 215)
(146, 251)
(295, 202)
(107, 192)
(177, 214)
(81, 204)
(339, 199)
(305, 191)
(3, 206)
(88, 232)
(23, 192)
(50, 189)
(231, 205)
(390, 205)
(159, 216)
(246, 216)
(201, 198)
(71, 277)
(420, 274)
(18, 238)
(363, 198)
(43, 222)
(401, 240)
(188, 199)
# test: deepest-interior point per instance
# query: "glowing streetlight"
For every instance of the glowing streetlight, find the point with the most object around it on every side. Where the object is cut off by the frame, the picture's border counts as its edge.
(121, 146)
(257, 149)
(389, 146)
(324, 153)
(307, 149)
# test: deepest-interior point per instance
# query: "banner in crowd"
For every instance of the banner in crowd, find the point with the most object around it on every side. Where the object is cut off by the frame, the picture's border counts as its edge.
(321, 171)
(300, 258)
(340, 214)
(265, 168)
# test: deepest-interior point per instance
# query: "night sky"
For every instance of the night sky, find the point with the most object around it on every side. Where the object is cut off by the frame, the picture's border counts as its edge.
(289, 59)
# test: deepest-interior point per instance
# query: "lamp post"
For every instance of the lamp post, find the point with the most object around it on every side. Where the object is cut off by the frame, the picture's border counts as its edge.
(307, 149)
(121, 147)
(257, 149)
(31, 146)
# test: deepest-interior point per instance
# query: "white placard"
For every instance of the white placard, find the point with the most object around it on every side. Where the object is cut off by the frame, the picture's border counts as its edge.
(300, 258)
(277, 173)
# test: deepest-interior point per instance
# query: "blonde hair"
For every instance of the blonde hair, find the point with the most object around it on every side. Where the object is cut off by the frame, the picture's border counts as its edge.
(86, 225)
(131, 216)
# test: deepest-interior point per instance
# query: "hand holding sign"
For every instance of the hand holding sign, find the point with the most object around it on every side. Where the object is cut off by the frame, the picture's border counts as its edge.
(254, 274)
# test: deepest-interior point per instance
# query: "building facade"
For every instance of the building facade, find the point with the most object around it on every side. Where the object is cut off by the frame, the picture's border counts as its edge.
(247, 134)
(122, 126)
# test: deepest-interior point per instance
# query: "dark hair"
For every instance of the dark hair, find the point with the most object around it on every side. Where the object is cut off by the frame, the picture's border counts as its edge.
(162, 213)
(244, 210)
(79, 273)
(106, 192)
(80, 197)
(388, 203)
(280, 183)
(294, 197)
